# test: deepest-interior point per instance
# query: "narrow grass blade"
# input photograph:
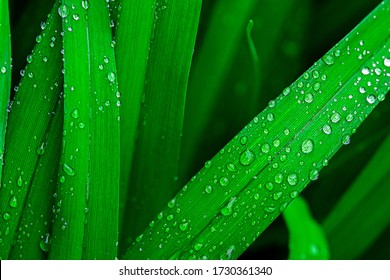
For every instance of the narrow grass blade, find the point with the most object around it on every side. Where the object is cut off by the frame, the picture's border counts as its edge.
(156, 159)
(5, 74)
(255, 176)
(307, 240)
(32, 110)
(33, 238)
(363, 210)
(133, 43)
(86, 224)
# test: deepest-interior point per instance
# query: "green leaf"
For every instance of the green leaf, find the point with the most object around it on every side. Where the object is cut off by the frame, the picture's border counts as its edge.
(5, 74)
(133, 42)
(31, 113)
(153, 180)
(363, 210)
(307, 240)
(37, 215)
(86, 225)
(256, 175)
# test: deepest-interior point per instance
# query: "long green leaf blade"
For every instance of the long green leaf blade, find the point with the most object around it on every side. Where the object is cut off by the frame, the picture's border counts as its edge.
(33, 241)
(133, 43)
(31, 113)
(364, 209)
(5, 74)
(307, 123)
(159, 141)
(88, 193)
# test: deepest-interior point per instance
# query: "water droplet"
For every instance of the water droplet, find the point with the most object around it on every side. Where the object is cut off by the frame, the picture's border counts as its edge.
(183, 226)
(6, 216)
(386, 62)
(269, 209)
(270, 117)
(75, 113)
(269, 186)
(228, 254)
(346, 139)
(362, 90)
(327, 129)
(309, 98)
(13, 202)
(243, 140)
(44, 244)
(85, 4)
(294, 194)
(247, 157)
(277, 195)
(328, 59)
(228, 209)
(170, 217)
(224, 181)
(335, 117)
(313, 175)
(371, 99)
(231, 167)
(292, 179)
(76, 17)
(349, 118)
(20, 181)
(365, 71)
(172, 203)
(279, 178)
(265, 148)
(307, 146)
(208, 189)
(68, 170)
(3, 69)
(111, 77)
(63, 11)
(208, 164)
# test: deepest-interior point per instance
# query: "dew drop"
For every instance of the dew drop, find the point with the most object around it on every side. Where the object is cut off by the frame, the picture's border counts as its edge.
(68, 170)
(85, 4)
(307, 146)
(269, 186)
(294, 194)
(265, 148)
(277, 195)
(386, 62)
(309, 98)
(44, 244)
(6, 216)
(292, 179)
(208, 189)
(224, 181)
(279, 178)
(327, 129)
(231, 167)
(243, 140)
(63, 11)
(208, 164)
(269, 209)
(228, 209)
(111, 77)
(313, 175)
(247, 157)
(365, 71)
(346, 139)
(270, 117)
(20, 181)
(183, 226)
(13, 202)
(335, 117)
(228, 254)
(328, 59)
(371, 99)
(75, 113)
(3, 69)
